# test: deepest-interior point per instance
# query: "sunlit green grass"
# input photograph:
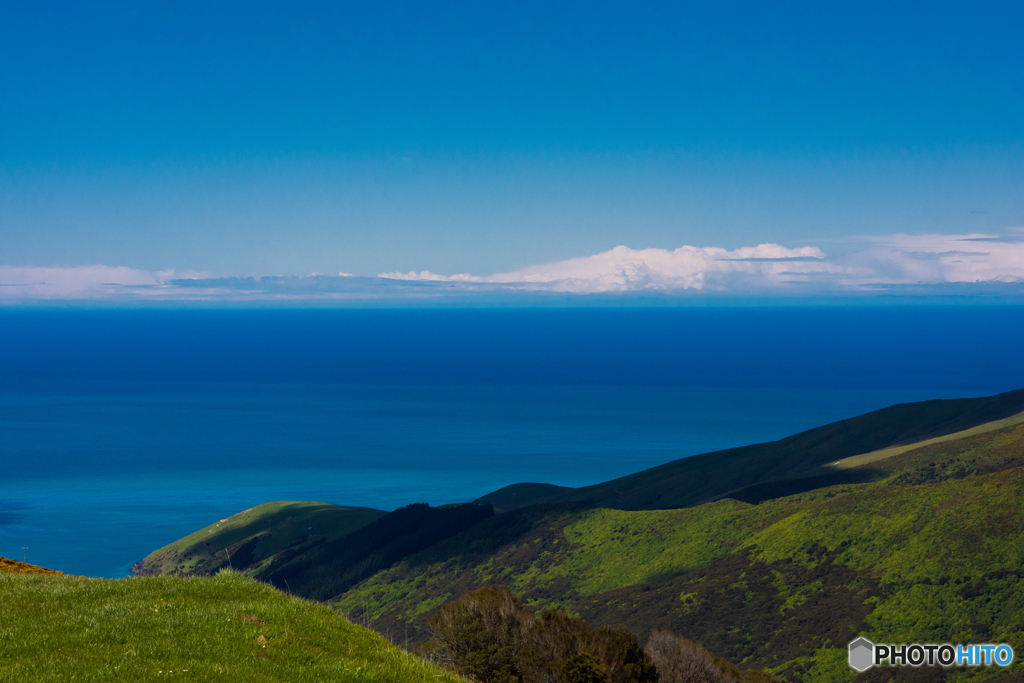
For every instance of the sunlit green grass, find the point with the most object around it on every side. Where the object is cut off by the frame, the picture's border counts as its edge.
(224, 628)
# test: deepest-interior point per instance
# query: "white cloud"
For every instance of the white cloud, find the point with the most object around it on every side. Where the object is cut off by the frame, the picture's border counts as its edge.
(934, 259)
(771, 268)
(926, 262)
(701, 268)
(84, 282)
(623, 269)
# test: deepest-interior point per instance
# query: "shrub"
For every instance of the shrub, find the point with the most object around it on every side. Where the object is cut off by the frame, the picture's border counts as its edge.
(679, 660)
(483, 634)
(490, 636)
(583, 668)
(624, 659)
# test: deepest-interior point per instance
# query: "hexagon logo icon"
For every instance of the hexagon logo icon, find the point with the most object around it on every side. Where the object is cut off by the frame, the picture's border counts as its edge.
(862, 654)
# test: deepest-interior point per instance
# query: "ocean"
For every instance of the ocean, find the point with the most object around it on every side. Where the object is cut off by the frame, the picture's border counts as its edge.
(122, 430)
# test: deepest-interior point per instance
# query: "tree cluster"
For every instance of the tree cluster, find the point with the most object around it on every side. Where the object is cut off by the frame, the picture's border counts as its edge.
(489, 636)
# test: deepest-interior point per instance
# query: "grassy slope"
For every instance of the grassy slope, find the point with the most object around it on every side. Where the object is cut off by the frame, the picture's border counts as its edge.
(254, 539)
(700, 478)
(142, 629)
(865, 458)
(931, 546)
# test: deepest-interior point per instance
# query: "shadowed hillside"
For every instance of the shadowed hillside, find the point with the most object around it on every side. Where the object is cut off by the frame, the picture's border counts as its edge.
(700, 478)
(335, 567)
(257, 539)
(517, 496)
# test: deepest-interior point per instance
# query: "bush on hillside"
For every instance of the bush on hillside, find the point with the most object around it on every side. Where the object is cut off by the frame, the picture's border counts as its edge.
(490, 636)
(623, 656)
(483, 635)
(583, 668)
(557, 637)
(679, 660)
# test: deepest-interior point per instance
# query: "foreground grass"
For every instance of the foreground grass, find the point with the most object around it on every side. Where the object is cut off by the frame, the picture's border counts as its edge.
(224, 628)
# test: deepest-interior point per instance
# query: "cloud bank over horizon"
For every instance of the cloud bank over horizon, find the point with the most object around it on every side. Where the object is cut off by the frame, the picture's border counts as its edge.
(879, 262)
(870, 264)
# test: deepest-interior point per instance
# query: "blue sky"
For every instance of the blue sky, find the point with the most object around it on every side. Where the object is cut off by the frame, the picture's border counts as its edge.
(173, 140)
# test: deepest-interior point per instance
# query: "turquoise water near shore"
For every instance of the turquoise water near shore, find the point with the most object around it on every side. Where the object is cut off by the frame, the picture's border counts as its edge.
(163, 423)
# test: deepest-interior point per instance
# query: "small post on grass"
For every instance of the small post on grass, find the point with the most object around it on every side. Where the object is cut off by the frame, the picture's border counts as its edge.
(24, 554)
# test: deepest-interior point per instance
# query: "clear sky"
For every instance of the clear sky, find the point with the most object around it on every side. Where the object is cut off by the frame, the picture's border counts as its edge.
(254, 139)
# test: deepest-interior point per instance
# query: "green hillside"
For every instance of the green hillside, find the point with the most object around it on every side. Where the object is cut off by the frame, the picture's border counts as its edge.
(257, 539)
(224, 628)
(904, 523)
(928, 546)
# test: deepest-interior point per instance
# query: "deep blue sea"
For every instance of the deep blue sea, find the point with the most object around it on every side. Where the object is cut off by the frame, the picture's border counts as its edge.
(121, 431)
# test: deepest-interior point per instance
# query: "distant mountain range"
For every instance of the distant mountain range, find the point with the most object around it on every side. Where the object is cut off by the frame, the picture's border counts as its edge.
(904, 524)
